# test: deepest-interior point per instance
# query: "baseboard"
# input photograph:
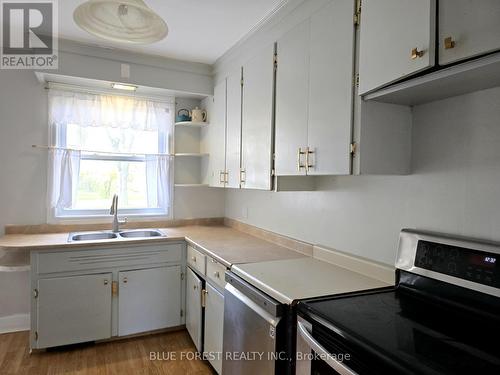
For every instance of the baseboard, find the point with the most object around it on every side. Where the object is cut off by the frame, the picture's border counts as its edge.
(14, 323)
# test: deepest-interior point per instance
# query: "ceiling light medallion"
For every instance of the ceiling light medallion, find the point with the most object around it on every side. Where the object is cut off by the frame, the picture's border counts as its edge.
(126, 21)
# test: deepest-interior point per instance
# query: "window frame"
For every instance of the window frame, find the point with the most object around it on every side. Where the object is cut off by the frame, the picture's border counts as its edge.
(62, 214)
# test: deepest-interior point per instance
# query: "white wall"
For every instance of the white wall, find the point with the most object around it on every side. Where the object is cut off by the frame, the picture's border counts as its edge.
(454, 187)
(23, 170)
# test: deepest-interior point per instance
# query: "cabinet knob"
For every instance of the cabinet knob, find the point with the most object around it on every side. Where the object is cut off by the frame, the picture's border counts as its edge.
(106, 282)
(125, 280)
(193, 259)
(415, 53)
(216, 274)
(195, 287)
(449, 43)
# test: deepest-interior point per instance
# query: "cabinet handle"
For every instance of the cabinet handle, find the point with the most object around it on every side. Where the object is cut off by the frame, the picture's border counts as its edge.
(415, 53)
(125, 280)
(299, 161)
(243, 175)
(226, 177)
(203, 297)
(195, 287)
(193, 259)
(216, 274)
(221, 177)
(449, 43)
(308, 165)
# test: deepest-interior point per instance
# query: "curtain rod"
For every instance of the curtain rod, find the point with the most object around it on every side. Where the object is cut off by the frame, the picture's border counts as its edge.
(170, 100)
(98, 152)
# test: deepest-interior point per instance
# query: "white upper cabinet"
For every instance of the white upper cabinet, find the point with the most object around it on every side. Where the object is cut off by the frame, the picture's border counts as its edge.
(233, 130)
(467, 28)
(397, 40)
(331, 72)
(257, 120)
(292, 91)
(217, 138)
(314, 92)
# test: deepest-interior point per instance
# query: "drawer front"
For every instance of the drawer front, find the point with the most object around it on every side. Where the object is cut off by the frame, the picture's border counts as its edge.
(215, 272)
(66, 261)
(196, 259)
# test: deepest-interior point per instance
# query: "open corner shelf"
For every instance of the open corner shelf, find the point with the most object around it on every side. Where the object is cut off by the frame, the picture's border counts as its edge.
(191, 124)
(477, 74)
(191, 185)
(190, 154)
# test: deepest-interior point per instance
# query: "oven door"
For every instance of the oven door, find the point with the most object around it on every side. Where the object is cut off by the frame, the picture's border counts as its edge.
(313, 358)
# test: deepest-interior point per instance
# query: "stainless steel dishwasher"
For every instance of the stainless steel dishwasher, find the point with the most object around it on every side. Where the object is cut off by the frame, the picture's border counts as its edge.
(254, 331)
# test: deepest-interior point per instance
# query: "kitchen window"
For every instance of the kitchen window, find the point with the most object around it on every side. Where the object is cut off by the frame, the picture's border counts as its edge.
(104, 144)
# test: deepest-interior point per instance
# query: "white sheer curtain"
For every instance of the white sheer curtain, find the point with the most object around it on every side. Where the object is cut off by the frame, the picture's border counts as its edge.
(158, 175)
(65, 166)
(104, 110)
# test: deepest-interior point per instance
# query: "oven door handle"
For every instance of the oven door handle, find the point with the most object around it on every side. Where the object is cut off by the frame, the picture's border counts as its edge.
(318, 348)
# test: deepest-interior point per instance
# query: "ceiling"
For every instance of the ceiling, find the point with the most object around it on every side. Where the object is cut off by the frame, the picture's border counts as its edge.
(199, 30)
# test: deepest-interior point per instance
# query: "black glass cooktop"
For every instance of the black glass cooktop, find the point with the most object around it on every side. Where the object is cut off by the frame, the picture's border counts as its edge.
(409, 333)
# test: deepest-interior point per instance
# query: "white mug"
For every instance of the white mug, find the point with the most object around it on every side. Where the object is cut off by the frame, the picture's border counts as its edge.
(198, 115)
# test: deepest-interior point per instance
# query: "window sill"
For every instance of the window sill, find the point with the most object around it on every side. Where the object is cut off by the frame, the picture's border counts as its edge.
(101, 219)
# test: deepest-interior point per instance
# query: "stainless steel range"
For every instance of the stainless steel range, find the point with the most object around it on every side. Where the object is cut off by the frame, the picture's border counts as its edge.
(442, 317)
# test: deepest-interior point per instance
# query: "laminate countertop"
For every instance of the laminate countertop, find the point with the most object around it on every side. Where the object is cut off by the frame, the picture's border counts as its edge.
(227, 245)
(290, 280)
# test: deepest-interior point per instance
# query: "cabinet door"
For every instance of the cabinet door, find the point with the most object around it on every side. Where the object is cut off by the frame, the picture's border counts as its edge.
(233, 130)
(257, 120)
(73, 309)
(390, 31)
(214, 325)
(474, 29)
(194, 287)
(331, 89)
(217, 137)
(292, 88)
(149, 299)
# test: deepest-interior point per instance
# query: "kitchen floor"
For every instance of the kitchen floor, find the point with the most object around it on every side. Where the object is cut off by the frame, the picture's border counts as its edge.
(129, 356)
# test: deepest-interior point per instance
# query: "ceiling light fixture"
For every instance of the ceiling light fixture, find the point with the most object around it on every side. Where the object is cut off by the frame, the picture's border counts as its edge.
(126, 21)
(123, 86)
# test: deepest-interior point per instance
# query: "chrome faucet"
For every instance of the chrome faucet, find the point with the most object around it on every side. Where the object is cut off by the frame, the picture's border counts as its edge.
(114, 211)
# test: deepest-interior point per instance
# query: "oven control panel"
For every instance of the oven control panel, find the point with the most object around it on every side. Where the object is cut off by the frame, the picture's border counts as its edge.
(468, 264)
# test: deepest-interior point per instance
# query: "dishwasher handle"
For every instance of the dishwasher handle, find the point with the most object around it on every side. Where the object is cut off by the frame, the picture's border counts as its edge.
(272, 320)
(265, 302)
(338, 366)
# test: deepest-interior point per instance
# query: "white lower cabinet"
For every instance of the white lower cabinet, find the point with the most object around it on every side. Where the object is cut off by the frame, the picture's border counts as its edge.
(149, 299)
(194, 309)
(73, 309)
(95, 293)
(214, 325)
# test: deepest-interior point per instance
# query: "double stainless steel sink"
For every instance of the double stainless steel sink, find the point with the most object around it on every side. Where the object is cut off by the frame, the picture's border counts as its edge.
(108, 235)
